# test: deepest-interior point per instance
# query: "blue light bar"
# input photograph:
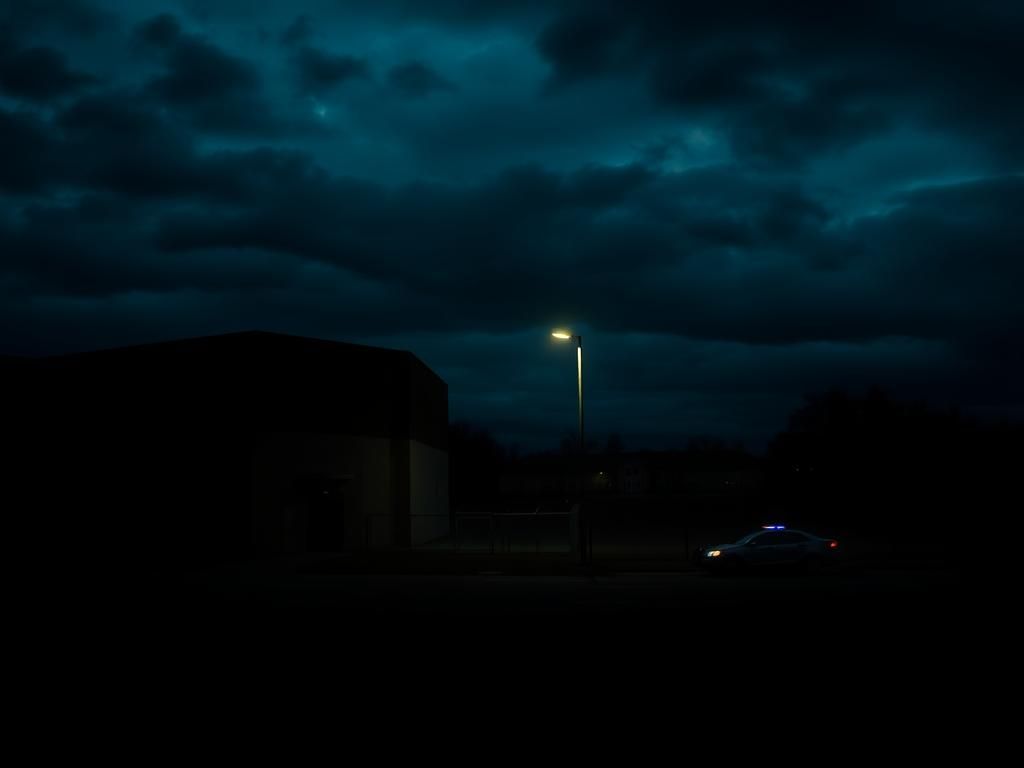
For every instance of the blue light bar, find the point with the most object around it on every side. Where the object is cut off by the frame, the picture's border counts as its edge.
(774, 527)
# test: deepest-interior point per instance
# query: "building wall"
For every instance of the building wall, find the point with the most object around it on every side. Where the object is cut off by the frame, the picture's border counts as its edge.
(394, 492)
(218, 446)
(428, 493)
(361, 471)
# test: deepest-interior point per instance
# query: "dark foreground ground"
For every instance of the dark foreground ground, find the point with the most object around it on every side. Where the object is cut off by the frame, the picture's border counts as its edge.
(475, 601)
(411, 585)
(539, 627)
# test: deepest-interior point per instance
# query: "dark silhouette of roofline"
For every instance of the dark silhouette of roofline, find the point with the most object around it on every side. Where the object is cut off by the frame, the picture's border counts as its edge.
(168, 343)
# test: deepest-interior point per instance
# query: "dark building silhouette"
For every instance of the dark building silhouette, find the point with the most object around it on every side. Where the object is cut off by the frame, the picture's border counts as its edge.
(232, 445)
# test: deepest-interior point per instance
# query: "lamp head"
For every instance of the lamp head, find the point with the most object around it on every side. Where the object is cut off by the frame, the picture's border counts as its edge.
(561, 334)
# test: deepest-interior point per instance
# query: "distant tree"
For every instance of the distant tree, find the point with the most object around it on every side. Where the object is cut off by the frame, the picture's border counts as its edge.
(884, 464)
(570, 443)
(716, 454)
(614, 444)
(475, 462)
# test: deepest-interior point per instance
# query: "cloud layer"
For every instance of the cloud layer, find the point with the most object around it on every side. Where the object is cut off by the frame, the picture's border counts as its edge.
(736, 204)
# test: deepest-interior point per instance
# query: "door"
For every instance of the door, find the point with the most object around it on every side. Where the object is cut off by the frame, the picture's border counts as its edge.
(767, 548)
(325, 523)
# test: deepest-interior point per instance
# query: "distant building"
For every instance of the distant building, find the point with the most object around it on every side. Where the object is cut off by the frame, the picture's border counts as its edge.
(231, 445)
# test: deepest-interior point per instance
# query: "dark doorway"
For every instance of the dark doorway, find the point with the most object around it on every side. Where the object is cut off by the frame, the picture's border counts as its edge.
(325, 524)
(324, 501)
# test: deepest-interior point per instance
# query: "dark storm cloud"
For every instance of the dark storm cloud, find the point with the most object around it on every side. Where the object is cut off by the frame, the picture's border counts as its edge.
(439, 239)
(39, 74)
(100, 246)
(397, 12)
(162, 30)
(319, 72)
(585, 45)
(958, 249)
(644, 251)
(793, 81)
(219, 91)
(96, 142)
(75, 17)
(736, 202)
(298, 32)
(111, 143)
(28, 146)
(414, 79)
(103, 143)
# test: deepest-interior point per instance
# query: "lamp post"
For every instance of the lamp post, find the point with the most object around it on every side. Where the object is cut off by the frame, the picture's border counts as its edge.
(564, 335)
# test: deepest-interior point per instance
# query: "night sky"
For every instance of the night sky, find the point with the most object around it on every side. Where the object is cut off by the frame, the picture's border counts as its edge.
(735, 203)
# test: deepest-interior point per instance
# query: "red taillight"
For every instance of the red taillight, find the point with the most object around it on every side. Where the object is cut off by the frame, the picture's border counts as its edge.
(833, 544)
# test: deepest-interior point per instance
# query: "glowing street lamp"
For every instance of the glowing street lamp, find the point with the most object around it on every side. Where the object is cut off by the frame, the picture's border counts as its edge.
(568, 336)
(564, 335)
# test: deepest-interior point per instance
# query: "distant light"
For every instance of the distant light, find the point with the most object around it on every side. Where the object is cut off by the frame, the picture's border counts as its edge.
(561, 334)
(833, 544)
(714, 553)
(774, 527)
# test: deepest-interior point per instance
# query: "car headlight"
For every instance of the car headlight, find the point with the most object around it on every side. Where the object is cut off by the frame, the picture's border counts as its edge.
(714, 553)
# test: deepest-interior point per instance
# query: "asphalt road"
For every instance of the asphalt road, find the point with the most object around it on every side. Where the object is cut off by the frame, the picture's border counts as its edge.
(502, 619)
(525, 589)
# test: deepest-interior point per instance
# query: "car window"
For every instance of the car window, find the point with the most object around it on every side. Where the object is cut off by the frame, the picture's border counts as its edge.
(768, 539)
(791, 537)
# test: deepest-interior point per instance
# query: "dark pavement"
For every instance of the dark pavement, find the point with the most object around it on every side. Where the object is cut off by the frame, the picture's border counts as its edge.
(523, 620)
(414, 585)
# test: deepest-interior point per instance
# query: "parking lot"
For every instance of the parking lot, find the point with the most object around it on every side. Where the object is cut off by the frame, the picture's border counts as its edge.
(554, 587)
(514, 620)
